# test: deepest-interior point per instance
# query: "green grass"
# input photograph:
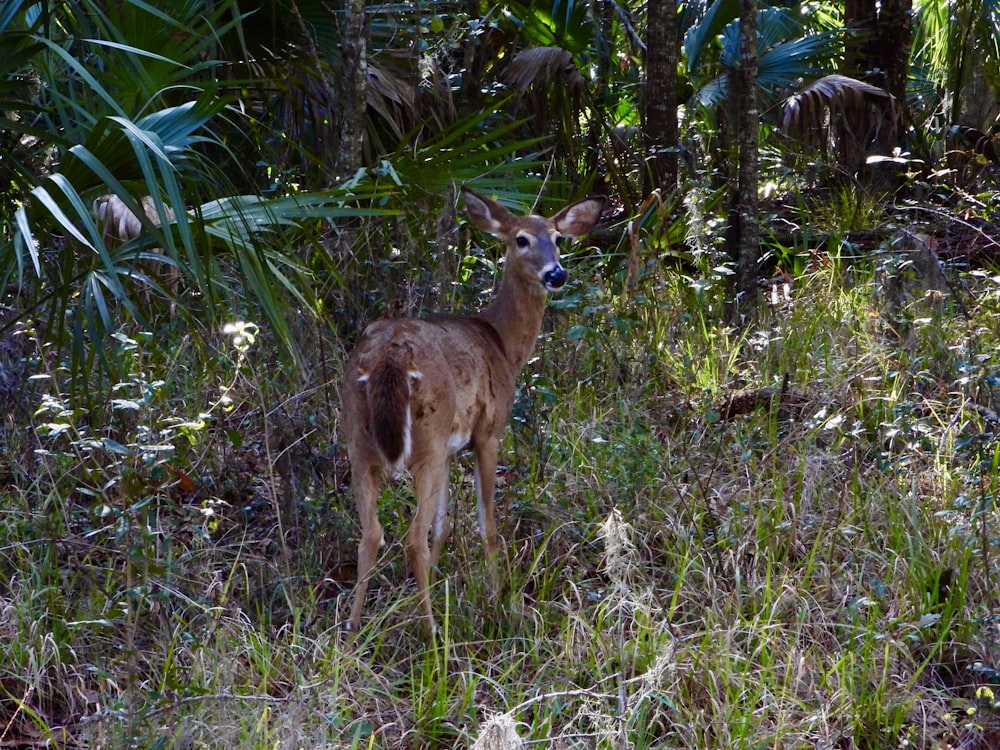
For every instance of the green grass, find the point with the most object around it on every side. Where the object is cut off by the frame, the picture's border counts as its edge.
(816, 575)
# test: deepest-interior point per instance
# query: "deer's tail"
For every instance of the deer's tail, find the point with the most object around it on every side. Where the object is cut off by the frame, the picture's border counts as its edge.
(388, 389)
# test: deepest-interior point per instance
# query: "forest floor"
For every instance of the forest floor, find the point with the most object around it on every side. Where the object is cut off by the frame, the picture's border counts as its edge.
(782, 536)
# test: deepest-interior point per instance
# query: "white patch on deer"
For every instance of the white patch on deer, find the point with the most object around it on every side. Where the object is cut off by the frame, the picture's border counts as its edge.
(441, 513)
(458, 440)
(395, 470)
(546, 269)
(479, 501)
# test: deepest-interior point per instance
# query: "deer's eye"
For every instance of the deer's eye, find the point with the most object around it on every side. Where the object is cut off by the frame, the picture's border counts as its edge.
(521, 241)
(558, 239)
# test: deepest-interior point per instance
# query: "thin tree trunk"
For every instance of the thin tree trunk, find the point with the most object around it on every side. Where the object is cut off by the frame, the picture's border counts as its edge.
(859, 41)
(350, 111)
(660, 110)
(878, 51)
(877, 46)
(353, 93)
(603, 14)
(744, 231)
(894, 36)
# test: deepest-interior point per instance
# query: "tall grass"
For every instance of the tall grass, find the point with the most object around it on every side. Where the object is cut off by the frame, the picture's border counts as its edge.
(815, 570)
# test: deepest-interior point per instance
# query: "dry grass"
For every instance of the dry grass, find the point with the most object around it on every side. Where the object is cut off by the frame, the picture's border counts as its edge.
(816, 576)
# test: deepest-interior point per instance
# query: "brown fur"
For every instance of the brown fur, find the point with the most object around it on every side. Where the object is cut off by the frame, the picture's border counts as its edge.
(455, 378)
(388, 400)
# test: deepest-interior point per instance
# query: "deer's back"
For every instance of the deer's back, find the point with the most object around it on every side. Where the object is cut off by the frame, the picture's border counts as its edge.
(461, 382)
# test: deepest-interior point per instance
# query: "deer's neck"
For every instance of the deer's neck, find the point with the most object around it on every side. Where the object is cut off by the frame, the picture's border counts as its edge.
(516, 315)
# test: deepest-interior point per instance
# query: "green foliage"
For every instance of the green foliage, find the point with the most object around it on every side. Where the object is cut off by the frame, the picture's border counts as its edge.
(777, 536)
(951, 44)
(673, 576)
(105, 128)
(553, 23)
(789, 49)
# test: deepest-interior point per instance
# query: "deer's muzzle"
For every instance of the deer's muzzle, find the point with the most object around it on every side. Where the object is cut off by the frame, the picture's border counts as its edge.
(554, 278)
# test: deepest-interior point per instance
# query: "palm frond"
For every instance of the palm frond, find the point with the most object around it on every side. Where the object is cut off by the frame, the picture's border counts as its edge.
(805, 111)
(706, 29)
(784, 63)
(541, 67)
(944, 51)
(468, 151)
(554, 23)
(843, 112)
(781, 61)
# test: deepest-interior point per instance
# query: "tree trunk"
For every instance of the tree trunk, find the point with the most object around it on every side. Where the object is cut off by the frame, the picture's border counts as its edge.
(353, 89)
(744, 234)
(353, 105)
(879, 40)
(894, 39)
(859, 41)
(878, 52)
(660, 110)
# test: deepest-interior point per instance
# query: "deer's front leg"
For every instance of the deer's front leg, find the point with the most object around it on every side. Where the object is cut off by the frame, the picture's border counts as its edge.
(441, 526)
(486, 478)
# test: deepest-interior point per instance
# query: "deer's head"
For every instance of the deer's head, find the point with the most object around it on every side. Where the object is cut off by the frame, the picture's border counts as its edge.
(533, 241)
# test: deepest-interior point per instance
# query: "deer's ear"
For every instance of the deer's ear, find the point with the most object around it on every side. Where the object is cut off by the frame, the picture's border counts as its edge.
(579, 218)
(486, 214)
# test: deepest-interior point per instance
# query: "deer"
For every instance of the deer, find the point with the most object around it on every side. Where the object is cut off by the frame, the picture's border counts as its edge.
(416, 391)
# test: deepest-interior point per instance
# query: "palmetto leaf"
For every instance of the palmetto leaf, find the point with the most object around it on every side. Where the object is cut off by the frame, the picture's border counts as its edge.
(541, 67)
(469, 151)
(707, 28)
(119, 235)
(804, 114)
(8, 12)
(117, 151)
(167, 134)
(238, 222)
(143, 51)
(949, 38)
(553, 23)
(782, 56)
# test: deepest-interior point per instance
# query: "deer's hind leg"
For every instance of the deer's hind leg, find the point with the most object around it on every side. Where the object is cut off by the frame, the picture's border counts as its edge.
(367, 479)
(430, 482)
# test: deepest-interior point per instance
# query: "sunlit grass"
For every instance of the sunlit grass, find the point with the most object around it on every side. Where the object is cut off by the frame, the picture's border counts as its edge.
(811, 572)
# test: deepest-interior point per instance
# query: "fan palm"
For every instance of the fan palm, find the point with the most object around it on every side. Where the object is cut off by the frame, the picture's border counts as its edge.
(103, 116)
(788, 49)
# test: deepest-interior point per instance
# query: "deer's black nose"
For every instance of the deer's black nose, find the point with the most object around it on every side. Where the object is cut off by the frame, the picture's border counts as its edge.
(554, 278)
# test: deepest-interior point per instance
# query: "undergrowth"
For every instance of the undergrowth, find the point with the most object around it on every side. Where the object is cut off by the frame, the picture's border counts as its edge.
(781, 537)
